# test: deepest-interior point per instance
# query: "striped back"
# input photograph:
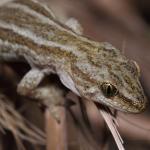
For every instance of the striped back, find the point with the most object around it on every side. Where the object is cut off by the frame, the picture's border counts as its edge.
(28, 27)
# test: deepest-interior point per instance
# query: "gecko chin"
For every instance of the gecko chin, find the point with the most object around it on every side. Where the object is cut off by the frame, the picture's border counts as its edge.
(127, 105)
(121, 103)
(111, 96)
(121, 99)
(131, 105)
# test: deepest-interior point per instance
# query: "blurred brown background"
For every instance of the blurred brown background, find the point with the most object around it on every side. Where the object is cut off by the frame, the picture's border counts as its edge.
(126, 25)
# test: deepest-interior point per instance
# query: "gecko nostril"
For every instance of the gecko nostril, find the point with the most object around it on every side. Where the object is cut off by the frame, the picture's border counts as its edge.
(140, 105)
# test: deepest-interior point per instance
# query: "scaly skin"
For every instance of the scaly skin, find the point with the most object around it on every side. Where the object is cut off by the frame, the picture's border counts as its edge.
(29, 31)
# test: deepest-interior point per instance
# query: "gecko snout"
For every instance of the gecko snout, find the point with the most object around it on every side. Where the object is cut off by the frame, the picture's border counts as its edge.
(140, 105)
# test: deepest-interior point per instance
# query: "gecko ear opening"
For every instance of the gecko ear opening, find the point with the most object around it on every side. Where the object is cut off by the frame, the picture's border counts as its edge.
(108, 89)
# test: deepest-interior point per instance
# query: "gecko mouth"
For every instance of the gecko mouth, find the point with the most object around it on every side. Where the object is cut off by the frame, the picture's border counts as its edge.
(133, 106)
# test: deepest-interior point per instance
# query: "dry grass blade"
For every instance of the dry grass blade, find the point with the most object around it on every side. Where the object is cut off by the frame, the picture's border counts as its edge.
(11, 120)
(93, 118)
(109, 119)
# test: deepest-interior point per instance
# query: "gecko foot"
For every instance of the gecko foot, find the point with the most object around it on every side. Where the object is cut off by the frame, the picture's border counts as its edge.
(30, 81)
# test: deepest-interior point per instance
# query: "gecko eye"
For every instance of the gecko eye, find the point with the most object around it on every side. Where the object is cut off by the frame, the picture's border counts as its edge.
(109, 90)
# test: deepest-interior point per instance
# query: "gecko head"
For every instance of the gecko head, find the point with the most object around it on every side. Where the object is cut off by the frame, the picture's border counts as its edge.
(111, 79)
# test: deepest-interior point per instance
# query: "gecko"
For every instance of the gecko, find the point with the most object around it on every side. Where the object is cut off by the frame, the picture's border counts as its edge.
(96, 71)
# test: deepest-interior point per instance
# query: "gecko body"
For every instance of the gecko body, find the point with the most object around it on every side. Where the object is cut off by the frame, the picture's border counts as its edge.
(96, 71)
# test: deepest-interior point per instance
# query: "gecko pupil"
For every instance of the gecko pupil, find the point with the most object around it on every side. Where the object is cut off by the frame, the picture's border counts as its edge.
(109, 90)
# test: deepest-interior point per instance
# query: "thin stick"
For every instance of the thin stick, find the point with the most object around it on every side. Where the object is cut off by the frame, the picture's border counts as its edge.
(56, 131)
